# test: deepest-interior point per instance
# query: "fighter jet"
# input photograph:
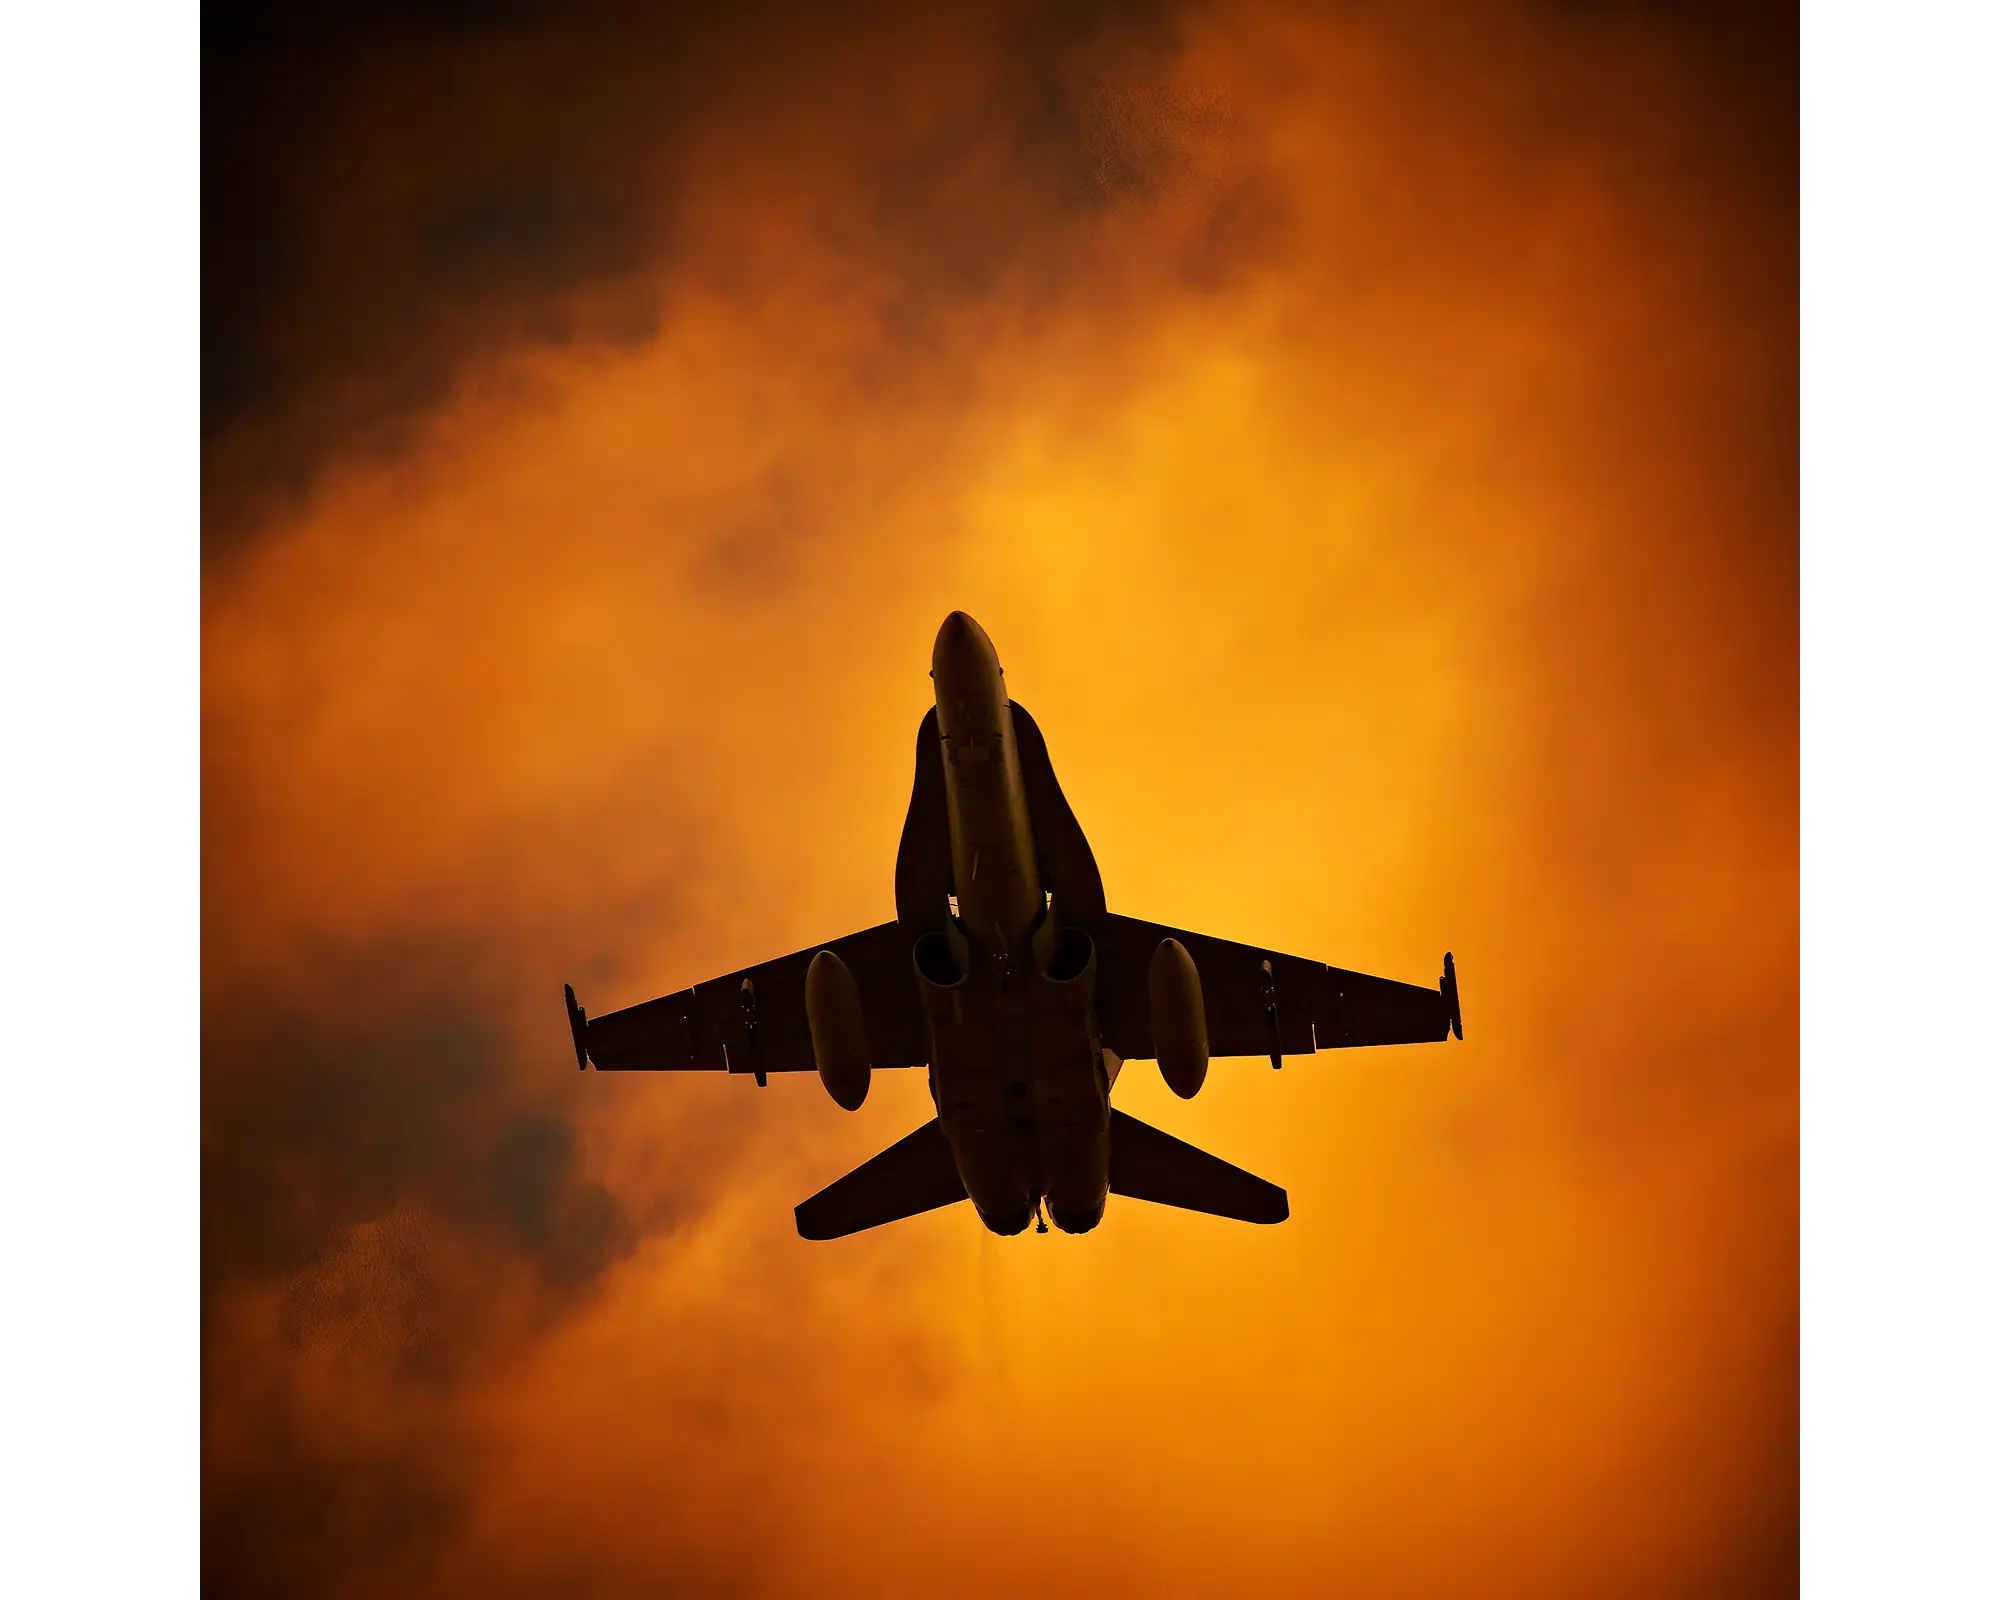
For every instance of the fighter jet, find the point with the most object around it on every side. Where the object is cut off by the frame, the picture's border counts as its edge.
(1007, 978)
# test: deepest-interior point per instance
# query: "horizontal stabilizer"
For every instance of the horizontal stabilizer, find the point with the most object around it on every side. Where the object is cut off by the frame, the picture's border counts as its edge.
(914, 1174)
(1147, 1164)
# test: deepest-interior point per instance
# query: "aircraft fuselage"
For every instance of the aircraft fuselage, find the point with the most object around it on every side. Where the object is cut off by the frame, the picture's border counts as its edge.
(1018, 1071)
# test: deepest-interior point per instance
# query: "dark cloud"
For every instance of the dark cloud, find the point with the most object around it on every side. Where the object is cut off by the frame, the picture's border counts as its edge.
(386, 1083)
(407, 1199)
(298, 1517)
(389, 192)
(393, 194)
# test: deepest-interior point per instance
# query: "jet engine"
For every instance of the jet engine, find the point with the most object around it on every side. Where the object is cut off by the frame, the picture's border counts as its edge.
(1180, 1024)
(839, 1039)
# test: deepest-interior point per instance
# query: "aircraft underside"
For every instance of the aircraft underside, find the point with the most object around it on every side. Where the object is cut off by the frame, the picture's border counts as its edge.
(1006, 977)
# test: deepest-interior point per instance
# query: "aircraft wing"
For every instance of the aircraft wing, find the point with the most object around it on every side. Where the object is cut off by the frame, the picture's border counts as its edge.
(755, 1020)
(1262, 1003)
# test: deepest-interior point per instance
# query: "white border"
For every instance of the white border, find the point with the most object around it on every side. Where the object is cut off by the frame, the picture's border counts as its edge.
(99, 700)
(1900, 1268)
(99, 665)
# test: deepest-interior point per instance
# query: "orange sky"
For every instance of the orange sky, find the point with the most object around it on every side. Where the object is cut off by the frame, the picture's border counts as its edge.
(1370, 439)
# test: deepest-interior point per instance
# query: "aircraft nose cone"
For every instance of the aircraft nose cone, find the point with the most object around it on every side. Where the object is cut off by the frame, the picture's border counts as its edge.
(963, 661)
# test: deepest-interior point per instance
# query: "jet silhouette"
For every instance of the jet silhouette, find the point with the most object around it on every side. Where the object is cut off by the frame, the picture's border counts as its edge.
(1005, 975)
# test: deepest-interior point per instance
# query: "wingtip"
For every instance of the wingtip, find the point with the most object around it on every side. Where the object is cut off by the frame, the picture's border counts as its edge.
(811, 1228)
(579, 1028)
(1448, 987)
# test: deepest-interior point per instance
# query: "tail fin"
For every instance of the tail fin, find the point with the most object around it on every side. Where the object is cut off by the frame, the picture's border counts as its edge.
(914, 1174)
(1147, 1164)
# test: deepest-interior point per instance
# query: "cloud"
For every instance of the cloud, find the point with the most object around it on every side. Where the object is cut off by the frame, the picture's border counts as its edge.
(392, 197)
(381, 1081)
